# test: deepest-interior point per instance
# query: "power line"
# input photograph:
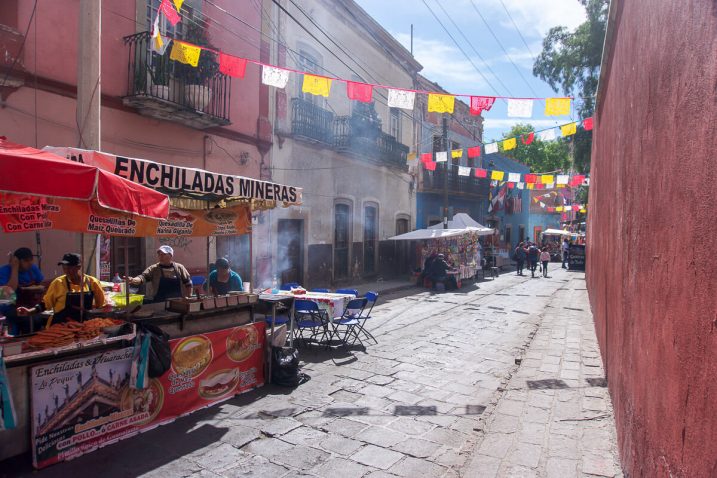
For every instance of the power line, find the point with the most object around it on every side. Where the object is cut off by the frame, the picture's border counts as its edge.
(499, 44)
(517, 30)
(22, 45)
(468, 57)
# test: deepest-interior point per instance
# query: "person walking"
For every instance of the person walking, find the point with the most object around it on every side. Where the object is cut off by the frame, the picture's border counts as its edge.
(533, 255)
(565, 248)
(545, 258)
(519, 255)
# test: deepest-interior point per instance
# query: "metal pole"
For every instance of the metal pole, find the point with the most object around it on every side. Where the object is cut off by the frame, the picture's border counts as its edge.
(445, 172)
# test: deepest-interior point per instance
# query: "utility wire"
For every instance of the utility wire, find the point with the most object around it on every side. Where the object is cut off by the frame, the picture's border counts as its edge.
(530, 87)
(468, 57)
(517, 29)
(22, 45)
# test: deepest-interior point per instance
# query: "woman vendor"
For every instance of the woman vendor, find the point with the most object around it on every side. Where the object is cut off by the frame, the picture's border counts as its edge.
(223, 279)
(166, 279)
(65, 293)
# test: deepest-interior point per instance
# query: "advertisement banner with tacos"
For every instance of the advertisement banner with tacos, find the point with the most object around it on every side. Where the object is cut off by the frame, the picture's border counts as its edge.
(81, 404)
(22, 213)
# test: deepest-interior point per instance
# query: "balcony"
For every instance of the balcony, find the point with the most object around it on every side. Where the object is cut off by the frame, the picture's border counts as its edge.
(12, 70)
(168, 90)
(462, 185)
(357, 135)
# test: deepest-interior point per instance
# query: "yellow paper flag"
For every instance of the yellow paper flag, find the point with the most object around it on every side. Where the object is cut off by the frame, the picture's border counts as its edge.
(530, 185)
(456, 153)
(185, 53)
(497, 175)
(316, 85)
(178, 4)
(568, 129)
(411, 156)
(546, 178)
(559, 186)
(583, 210)
(441, 103)
(557, 106)
(509, 144)
(559, 209)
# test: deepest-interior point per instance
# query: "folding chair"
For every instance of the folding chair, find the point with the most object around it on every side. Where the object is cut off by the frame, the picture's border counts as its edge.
(371, 298)
(349, 319)
(308, 316)
(347, 291)
(289, 285)
(320, 290)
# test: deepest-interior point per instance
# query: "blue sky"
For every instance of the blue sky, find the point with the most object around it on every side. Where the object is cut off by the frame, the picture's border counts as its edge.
(490, 71)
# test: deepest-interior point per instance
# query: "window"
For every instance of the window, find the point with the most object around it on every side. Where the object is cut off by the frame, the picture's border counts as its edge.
(507, 234)
(395, 123)
(342, 240)
(191, 12)
(521, 233)
(311, 63)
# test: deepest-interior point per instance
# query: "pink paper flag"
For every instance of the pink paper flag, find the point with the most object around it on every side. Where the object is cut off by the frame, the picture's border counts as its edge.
(232, 65)
(359, 91)
(167, 8)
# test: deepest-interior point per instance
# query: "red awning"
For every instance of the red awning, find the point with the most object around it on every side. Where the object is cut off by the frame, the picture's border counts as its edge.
(26, 170)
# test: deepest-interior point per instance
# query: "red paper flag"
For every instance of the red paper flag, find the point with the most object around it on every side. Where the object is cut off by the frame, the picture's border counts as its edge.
(481, 173)
(531, 178)
(540, 186)
(578, 179)
(426, 157)
(430, 165)
(359, 91)
(528, 140)
(565, 217)
(480, 103)
(511, 185)
(588, 124)
(576, 207)
(551, 209)
(474, 152)
(169, 12)
(232, 65)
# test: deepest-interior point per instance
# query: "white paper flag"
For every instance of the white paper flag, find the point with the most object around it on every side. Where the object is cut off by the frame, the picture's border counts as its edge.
(464, 171)
(491, 148)
(550, 186)
(547, 135)
(521, 185)
(401, 99)
(520, 108)
(274, 76)
(542, 204)
(563, 179)
(159, 43)
(513, 177)
(441, 156)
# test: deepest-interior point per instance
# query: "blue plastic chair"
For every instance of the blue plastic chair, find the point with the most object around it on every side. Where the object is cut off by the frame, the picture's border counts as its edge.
(371, 298)
(308, 316)
(289, 285)
(350, 320)
(319, 289)
(347, 291)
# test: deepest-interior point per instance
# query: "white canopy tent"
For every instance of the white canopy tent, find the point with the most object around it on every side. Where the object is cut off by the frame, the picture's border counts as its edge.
(461, 224)
(556, 232)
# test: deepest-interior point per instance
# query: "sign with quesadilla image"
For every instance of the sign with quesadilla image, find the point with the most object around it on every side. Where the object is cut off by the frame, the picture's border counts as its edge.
(84, 403)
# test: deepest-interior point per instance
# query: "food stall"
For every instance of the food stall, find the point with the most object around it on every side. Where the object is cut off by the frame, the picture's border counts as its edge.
(74, 392)
(459, 243)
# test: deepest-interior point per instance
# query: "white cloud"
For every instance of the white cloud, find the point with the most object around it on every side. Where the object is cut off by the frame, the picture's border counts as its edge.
(535, 17)
(446, 65)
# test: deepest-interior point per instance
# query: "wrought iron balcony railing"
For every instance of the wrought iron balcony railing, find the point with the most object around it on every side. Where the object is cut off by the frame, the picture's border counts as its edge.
(196, 96)
(311, 122)
(468, 185)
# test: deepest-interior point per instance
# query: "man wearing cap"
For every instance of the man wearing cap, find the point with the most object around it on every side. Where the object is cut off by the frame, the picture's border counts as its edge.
(23, 278)
(166, 279)
(70, 293)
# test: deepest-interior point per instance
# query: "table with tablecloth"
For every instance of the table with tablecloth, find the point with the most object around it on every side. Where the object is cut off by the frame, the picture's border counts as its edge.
(333, 304)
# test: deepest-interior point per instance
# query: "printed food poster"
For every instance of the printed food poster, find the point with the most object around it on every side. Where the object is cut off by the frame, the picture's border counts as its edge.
(81, 404)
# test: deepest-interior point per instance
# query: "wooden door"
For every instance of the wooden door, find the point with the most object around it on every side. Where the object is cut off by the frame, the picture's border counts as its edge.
(291, 250)
(402, 250)
(134, 246)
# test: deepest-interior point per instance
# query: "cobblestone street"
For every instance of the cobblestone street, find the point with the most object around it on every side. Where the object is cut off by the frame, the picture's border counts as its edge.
(501, 378)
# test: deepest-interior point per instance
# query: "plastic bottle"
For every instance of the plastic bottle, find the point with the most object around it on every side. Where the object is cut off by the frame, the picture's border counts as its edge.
(117, 281)
(274, 286)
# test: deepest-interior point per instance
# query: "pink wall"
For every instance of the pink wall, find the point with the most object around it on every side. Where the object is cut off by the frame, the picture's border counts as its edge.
(652, 235)
(123, 131)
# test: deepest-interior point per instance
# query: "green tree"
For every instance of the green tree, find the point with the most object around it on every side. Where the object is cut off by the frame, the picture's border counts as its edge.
(540, 156)
(570, 64)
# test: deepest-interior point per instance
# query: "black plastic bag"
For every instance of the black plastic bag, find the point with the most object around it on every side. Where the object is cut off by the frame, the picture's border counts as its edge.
(160, 354)
(285, 370)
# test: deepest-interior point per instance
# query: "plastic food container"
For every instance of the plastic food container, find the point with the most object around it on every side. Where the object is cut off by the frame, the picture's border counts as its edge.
(134, 299)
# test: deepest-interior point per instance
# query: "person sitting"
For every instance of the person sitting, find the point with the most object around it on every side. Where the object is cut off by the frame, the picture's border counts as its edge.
(19, 276)
(439, 273)
(426, 267)
(69, 293)
(223, 279)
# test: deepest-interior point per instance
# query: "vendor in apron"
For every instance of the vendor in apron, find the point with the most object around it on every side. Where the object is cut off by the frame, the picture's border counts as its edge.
(70, 294)
(166, 279)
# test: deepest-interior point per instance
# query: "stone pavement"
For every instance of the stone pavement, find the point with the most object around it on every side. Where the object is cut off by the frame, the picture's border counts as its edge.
(502, 378)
